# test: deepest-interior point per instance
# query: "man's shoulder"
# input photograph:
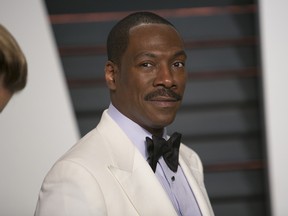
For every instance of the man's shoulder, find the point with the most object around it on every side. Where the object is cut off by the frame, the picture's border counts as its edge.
(89, 149)
(187, 151)
(190, 157)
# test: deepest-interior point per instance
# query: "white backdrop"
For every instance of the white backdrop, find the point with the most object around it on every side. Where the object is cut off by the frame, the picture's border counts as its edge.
(38, 125)
(274, 43)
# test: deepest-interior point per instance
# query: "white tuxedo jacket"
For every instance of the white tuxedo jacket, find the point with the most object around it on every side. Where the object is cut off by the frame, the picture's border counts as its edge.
(105, 174)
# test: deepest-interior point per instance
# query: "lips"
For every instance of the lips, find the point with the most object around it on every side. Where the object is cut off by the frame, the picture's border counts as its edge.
(164, 99)
(164, 102)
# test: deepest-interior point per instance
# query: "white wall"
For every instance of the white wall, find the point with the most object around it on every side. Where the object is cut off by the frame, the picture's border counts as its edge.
(274, 43)
(38, 125)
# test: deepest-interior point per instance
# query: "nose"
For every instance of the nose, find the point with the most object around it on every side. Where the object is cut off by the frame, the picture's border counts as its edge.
(164, 77)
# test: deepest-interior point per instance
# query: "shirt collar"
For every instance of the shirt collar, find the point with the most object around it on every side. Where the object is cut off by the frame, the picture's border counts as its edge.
(135, 133)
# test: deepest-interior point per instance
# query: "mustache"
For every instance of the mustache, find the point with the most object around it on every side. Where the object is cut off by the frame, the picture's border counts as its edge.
(163, 92)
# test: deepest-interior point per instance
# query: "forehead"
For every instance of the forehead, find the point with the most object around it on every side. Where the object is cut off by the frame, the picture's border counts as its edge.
(152, 29)
(154, 36)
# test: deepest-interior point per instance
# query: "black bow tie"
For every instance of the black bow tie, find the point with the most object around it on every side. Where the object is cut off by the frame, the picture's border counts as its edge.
(158, 146)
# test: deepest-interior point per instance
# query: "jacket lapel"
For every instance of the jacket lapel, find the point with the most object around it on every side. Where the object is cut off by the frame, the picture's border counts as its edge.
(194, 178)
(133, 173)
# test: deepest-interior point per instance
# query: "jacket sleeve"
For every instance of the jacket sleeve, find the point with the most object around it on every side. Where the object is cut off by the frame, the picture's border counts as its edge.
(69, 189)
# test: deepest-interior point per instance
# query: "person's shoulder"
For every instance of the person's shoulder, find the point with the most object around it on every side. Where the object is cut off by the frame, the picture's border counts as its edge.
(188, 152)
(190, 157)
(84, 144)
(88, 150)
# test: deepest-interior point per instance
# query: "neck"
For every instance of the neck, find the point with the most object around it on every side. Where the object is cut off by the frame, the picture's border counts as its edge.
(156, 131)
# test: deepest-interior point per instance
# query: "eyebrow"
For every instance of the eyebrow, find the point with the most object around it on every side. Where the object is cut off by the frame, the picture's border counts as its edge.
(180, 53)
(152, 55)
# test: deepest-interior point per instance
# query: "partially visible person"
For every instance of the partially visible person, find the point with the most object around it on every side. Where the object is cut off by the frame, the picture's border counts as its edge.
(13, 67)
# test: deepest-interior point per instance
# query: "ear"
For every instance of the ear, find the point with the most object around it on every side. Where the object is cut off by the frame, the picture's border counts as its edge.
(111, 71)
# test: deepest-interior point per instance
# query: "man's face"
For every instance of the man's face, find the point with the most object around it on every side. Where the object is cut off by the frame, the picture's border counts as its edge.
(150, 82)
(5, 94)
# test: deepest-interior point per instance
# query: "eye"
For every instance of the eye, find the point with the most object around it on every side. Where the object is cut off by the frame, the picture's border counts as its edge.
(146, 64)
(179, 64)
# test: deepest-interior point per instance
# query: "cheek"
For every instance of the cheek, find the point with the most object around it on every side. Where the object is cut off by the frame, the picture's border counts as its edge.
(181, 83)
(140, 84)
(183, 87)
(131, 91)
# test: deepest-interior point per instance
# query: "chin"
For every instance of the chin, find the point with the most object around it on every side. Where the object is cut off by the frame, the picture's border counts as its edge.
(164, 122)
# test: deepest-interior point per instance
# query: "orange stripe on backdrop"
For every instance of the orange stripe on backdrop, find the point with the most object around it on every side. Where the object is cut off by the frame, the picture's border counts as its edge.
(171, 13)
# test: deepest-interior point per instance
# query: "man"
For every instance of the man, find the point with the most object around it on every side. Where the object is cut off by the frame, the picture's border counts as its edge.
(13, 67)
(110, 171)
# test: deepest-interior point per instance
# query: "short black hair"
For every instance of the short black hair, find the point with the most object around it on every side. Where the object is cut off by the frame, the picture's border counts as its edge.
(118, 37)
